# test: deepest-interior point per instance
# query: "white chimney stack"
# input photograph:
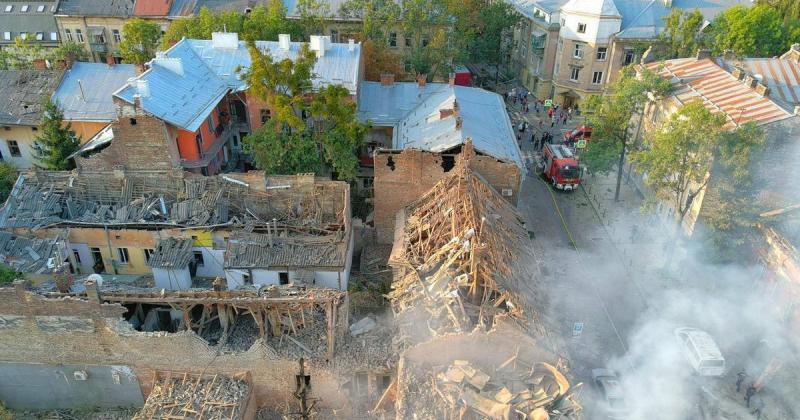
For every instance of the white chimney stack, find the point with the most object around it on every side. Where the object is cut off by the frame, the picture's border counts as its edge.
(318, 45)
(229, 40)
(285, 41)
(174, 65)
(143, 88)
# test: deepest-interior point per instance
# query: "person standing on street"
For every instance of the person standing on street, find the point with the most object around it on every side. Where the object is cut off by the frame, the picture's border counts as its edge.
(739, 379)
(751, 390)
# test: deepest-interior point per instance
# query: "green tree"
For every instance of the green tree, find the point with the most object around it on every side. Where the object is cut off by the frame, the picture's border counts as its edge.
(139, 41)
(734, 214)
(490, 45)
(376, 16)
(289, 143)
(681, 35)
(8, 275)
(56, 140)
(312, 16)
(679, 154)
(611, 115)
(758, 31)
(788, 9)
(8, 176)
(70, 49)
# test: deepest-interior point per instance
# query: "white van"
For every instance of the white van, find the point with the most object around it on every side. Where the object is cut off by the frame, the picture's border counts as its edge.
(701, 351)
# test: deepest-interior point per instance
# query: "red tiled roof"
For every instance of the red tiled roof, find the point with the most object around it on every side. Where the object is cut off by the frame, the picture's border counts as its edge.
(152, 7)
(719, 90)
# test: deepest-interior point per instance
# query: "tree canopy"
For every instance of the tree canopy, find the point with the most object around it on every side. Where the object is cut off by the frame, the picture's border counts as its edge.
(56, 140)
(22, 54)
(611, 114)
(758, 31)
(307, 129)
(261, 24)
(139, 41)
(681, 35)
(8, 176)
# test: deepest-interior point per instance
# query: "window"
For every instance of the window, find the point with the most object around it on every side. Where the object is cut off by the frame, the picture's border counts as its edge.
(576, 72)
(334, 35)
(198, 258)
(99, 38)
(579, 49)
(425, 42)
(265, 115)
(77, 256)
(68, 34)
(597, 77)
(54, 36)
(283, 278)
(9, 8)
(79, 35)
(148, 253)
(117, 36)
(628, 57)
(393, 39)
(210, 122)
(601, 53)
(7, 36)
(13, 147)
(23, 35)
(581, 28)
(122, 253)
(24, 8)
(40, 9)
(40, 36)
(199, 140)
(34, 128)
(133, 121)
(408, 41)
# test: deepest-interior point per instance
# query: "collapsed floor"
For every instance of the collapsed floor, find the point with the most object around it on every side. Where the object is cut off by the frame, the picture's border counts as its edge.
(185, 396)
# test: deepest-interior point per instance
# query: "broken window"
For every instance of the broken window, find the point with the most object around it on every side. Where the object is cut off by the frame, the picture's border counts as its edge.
(77, 256)
(628, 57)
(198, 258)
(148, 253)
(265, 115)
(448, 162)
(122, 253)
(390, 163)
(581, 28)
(283, 278)
(117, 36)
(13, 147)
(133, 121)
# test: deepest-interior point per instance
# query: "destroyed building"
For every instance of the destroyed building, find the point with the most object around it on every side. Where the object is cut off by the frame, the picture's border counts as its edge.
(419, 129)
(246, 228)
(460, 258)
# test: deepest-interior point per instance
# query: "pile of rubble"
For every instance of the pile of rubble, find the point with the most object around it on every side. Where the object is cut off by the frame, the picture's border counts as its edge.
(187, 396)
(536, 392)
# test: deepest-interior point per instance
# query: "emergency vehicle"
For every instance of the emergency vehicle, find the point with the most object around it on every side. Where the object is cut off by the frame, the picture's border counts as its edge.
(580, 132)
(561, 167)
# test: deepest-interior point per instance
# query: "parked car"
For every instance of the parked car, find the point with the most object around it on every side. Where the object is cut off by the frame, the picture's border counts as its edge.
(607, 382)
(701, 351)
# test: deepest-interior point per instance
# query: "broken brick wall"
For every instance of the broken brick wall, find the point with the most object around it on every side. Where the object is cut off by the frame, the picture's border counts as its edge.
(141, 141)
(401, 178)
(35, 329)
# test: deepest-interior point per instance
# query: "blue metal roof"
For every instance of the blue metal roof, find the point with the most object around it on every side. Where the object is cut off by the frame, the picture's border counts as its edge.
(338, 66)
(182, 89)
(414, 111)
(93, 102)
(644, 19)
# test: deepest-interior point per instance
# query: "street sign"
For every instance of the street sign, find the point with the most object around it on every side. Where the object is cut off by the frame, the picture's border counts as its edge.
(581, 144)
(548, 103)
(577, 329)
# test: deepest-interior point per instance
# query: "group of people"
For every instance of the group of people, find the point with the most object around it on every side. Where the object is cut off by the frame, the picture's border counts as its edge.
(558, 114)
(538, 144)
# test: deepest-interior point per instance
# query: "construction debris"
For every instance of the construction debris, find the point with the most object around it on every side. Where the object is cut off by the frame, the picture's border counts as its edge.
(187, 396)
(366, 324)
(460, 258)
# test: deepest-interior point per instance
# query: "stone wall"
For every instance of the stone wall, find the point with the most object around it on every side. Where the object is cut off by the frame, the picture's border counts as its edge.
(71, 331)
(401, 178)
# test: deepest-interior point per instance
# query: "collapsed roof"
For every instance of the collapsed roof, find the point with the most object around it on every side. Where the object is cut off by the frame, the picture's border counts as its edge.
(281, 247)
(460, 256)
(23, 93)
(176, 199)
(438, 117)
(172, 254)
(32, 255)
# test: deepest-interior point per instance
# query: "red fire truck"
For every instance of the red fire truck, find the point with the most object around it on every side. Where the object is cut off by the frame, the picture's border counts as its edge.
(580, 132)
(561, 167)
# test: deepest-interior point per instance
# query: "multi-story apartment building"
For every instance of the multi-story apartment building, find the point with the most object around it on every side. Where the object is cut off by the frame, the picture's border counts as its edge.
(569, 49)
(31, 21)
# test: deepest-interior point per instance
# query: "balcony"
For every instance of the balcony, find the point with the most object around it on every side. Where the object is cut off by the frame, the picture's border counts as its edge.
(206, 156)
(98, 47)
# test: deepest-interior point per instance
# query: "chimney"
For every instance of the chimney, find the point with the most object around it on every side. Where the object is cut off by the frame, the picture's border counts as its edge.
(351, 44)
(729, 55)
(174, 65)
(762, 89)
(138, 68)
(92, 291)
(285, 41)
(319, 44)
(40, 64)
(110, 60)
(137, 101)
(793, 53)
(446, 112)
(143, 88)
(227, 40)
(459, 123)
(387, 79)
(422, 80)
(451, 79)
(750, 81)
(69, 60)
(703, 53)
(738, 73)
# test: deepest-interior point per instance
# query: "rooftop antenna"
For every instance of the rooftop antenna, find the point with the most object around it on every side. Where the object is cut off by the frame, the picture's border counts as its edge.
(80, 86)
